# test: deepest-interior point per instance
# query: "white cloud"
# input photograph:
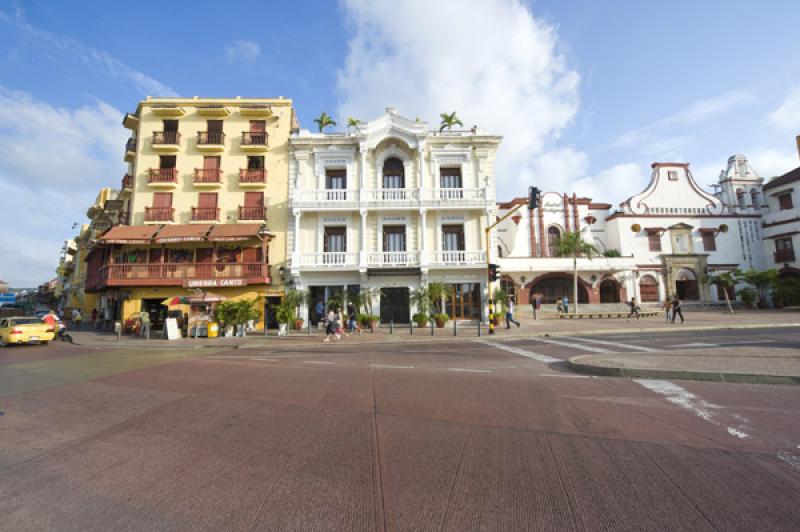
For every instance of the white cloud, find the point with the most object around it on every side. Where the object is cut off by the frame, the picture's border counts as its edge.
(787, 115)
(491, 61)
(53, 161)
(771, 162)
(557, 169)
(614, 184)
(91, 57)
(243, 51)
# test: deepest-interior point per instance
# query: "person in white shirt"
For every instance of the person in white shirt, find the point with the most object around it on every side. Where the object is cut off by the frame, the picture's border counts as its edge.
(510, 314)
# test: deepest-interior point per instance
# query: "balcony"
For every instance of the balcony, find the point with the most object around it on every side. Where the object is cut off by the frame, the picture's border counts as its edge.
(205, 214)
(252, 177)
(212, 110)
(162, 177)
(784, 255)
(159, 214)
(207, 178)
(383, 259)
(262, 110)
(210, 141)
(166, 109)
(166, 141)
(453, 197)
(326, 199)
(253, 142)
(189, 274)
(458, 258)
(327, 260)
(253, 213)
(393, 197)
(130, 150)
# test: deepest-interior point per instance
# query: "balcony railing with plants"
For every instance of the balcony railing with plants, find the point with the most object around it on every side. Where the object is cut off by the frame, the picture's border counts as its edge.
(207, 175)
(252, 213)
(205, 214)
(130, 145)
(166, 137)
(162, 175)
(252, 175)
(210, 137)
(127, 181)
(159, 214)
(176, 273)
(254, 139)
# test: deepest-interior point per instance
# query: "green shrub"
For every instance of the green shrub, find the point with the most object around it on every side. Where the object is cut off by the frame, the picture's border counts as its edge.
(612, 253)
(748, 296)
(420, 319)
(441, 317)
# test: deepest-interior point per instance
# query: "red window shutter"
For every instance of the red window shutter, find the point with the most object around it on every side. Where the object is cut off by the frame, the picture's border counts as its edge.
(211, 162)
(205, 255)
(207, 200)
(252, 255)
(253, 199)
(258, 126)
(162, 199)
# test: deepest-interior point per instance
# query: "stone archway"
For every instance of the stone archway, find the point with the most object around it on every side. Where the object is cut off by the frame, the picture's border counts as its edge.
(686, 285)
(609, 291)
(553, 286)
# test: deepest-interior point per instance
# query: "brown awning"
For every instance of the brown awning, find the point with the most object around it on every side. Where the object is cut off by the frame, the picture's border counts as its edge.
(130, 234)
(183, 233)
(654, 230)
(708, 230)
(236, 232)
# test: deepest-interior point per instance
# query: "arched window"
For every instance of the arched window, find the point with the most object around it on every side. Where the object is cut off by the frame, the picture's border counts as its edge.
(755, 199)
(553, 234)
(740, 197)
(648, 288)
(609, 291)
(394, 173)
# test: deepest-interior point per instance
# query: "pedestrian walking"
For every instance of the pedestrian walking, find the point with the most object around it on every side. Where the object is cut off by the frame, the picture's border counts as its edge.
(676, 308)
(634, 309)
(319, 309)
(144, 324)
(565, 303)
(330, 330)
(352, 322)
(77, 317)
(560, 306)
(667, 307)
(94, 318)
(510, 314)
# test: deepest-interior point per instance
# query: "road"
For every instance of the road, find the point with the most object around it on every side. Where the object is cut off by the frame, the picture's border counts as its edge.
(462, 435)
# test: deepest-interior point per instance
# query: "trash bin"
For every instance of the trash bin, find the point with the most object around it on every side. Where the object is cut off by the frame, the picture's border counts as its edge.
(213, 329)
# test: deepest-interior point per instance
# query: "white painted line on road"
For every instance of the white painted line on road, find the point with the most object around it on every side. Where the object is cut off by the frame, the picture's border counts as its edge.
(319, 362)
(564, 376)
(748, 342)
(695, 344)
(572, 345)
(789, 458)
(616, 344)
(262, 359)
(468, 370)
(522, 352)
(387, 366)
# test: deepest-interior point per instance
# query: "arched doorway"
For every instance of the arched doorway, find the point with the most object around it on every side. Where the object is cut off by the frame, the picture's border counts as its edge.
(609, 291)
(648, 288)
(394, 173)
(553, 287)
(686, 285)
(553, 234)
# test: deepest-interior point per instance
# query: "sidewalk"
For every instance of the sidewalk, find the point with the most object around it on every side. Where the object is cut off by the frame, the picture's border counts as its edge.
(764, 366)
(545, 326)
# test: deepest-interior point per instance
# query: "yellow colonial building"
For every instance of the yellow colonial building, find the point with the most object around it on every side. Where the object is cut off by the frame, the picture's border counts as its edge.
(205, 200)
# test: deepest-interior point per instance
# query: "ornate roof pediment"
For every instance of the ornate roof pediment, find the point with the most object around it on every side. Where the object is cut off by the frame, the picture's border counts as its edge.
(672, 184)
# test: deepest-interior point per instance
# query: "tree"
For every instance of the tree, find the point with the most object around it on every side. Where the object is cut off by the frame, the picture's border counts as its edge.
(724, 281)
(294, 299)
(324, 121)
(572, 244)
(762, 280)
(448, 121)
(353, 123)
(421, 298)
(437, 292)
(369, 295)
(501, 297)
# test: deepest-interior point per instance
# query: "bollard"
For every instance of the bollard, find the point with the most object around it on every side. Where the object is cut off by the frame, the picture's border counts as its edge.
(455, 328)
(479, 328)
(431, 327)
(411, 327)
(391, 325)
(308, 329)
(491, 317)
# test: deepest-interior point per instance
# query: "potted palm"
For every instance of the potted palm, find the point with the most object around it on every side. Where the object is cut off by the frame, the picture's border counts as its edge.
(448, 121)
(421, 299)
(369, 318)
(244, 311)
(284, 314)
(295, 298)
(324, 120)
(438, 294)
(225, 314)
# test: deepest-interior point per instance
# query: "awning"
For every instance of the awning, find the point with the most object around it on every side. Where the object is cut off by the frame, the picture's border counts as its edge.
(237, 232)
(130, 234)
(654, 230)
(708, 230)
(183, 233)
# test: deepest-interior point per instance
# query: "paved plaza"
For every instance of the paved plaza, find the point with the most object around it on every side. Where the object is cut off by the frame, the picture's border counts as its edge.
(466, 434)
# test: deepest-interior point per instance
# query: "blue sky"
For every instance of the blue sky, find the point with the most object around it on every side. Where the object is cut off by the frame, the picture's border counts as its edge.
(586, 94)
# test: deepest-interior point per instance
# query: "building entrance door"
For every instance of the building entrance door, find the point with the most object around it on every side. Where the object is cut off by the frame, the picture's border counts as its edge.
(464, 301)
(395, 305)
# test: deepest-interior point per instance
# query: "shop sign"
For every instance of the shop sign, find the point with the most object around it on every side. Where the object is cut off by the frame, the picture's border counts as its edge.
(214, 283)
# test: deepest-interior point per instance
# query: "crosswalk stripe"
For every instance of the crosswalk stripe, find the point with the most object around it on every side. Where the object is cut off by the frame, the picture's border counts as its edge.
(615, 344)
(468, 370)
(589, 348)
(390, 367)
(522, 352)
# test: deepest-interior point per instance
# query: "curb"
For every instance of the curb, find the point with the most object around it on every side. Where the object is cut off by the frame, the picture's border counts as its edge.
(577, 365)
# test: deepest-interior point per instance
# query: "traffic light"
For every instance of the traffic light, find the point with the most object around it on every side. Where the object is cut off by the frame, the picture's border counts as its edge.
(533, 198)
(493, 272)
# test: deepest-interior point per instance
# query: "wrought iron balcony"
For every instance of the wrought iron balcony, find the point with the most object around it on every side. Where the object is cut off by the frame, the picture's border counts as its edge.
(162, 175)
(207, 176)
(205, 214)
(166, 138)
(254, 139)
(159, 214)
(252, 175)
(252, 213)
(210, 138)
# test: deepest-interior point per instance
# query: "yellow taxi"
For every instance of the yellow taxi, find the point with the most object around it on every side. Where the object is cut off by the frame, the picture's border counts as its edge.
(24, 330)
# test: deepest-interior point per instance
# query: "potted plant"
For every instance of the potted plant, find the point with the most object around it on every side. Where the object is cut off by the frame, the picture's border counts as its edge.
(441, 318)
(421, 319)
(294, 299)
(373, 322)
(245, 311)
(748, 296)
(225, 315)
(284, 314)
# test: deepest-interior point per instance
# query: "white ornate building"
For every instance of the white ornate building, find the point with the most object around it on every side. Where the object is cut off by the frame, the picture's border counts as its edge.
(392, 205)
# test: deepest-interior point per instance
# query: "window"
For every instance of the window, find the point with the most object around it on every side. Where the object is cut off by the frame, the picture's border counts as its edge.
(253, 206)
(394, 237)
(785, 201)
(393, 173)
(784, 250)
(335, 240)
(206, 209)
(648, 288)
(170, 132)
(335, 179)
(215, 135)
(258, 133)
(453, 238)
(255, 162)
(450, 178)
(672, 175)
(553, 235)
(654, 241)
(167, 161)
(709, 242)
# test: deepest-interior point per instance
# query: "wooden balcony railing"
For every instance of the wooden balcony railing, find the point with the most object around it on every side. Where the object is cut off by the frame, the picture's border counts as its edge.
(207, 175)
(176, 273)
(205, 214)
(130, 145)
(252, 213)
(252, 175)
(784, 255)
(127, 181)
(162, 175)
(254, 139)
(166, 137)
(158, 214)
(210, 137)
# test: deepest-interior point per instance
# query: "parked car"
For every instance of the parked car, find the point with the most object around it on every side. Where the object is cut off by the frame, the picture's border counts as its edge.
(24, 330)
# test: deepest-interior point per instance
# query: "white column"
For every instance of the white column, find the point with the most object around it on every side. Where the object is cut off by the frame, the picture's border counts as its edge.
(421, 160)
(296, 253)
(423, 242)
(362, 254)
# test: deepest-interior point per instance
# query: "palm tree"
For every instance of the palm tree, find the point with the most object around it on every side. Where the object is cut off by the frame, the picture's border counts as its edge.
(353, 123)
(324, 121)
(571, 244)
(437, 292)
(724, 281)
(448, 121)
(421, 298)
